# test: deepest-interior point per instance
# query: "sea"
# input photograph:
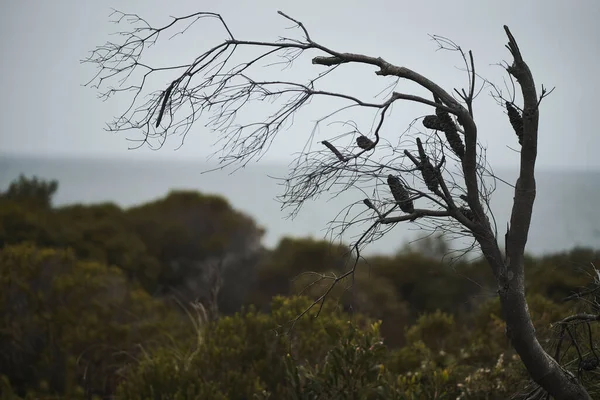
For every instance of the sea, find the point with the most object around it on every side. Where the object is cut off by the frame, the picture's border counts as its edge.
(566, 213)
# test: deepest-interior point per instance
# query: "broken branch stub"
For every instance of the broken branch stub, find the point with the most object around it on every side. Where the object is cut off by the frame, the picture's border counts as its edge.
(334, 150)
(369, 204)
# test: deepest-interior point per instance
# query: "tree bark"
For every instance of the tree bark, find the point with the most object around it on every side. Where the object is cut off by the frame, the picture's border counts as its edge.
(510, 273)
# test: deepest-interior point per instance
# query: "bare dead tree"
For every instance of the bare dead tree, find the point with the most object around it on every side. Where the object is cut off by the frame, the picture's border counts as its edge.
(433, 181)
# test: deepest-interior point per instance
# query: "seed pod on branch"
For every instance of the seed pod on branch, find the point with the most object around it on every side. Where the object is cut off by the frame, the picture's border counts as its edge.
(516, 120)
(400, 194)
(334, 150)
(433, 122)
(445, 119)
(364, 142)
(430, 175)
(449, 128)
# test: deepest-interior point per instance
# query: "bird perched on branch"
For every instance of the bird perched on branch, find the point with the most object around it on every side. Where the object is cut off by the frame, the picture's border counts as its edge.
(400, 194)
(364, 142)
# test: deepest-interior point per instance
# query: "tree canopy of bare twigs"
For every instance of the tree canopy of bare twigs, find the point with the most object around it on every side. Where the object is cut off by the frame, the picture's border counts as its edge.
(432, 177)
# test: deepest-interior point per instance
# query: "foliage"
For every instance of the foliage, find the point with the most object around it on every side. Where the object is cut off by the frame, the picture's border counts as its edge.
(33, 192)
(188, 232)
(293, 257)
(101, 233)
(20, 223)
(352, 369)
(238, 356)
(433, 330)
(493, 383)
(170, 245)
(449, 288)
(557, 276)
(83, 295)
(65, 319)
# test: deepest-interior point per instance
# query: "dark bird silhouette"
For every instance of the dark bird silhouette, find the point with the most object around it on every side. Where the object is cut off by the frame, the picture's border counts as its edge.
(364, 142)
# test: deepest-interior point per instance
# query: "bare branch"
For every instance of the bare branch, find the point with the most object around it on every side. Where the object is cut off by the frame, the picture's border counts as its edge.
(417, 213)
(581, 318)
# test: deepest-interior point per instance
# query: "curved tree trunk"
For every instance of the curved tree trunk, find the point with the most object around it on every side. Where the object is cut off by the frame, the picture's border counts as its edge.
(510, 270)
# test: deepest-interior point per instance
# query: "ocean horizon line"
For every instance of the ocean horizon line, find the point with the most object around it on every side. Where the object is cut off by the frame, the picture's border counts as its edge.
(565, 214)
(264, 162)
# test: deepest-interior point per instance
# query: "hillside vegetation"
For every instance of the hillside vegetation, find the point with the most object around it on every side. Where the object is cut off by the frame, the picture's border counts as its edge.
(178, 299)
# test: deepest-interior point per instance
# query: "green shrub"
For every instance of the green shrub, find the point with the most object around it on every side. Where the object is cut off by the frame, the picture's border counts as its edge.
(352, 369)
(65, 319)
(241, 355)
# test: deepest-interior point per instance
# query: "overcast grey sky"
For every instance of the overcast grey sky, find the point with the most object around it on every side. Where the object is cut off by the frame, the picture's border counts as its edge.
(44, 109)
